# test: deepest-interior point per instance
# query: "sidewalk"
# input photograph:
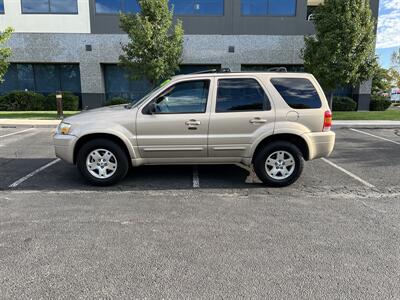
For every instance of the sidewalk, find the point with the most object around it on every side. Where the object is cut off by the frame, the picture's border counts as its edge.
(30, 123)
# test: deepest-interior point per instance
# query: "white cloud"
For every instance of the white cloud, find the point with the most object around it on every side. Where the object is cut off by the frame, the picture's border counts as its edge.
(391, 4)
(389, 25)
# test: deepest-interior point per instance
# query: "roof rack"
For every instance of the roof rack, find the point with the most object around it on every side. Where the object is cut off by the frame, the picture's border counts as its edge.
(222, 70)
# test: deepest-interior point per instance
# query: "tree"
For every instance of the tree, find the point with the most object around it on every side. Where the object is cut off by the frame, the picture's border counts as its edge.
(342, 52)
(396, 58)
(381, 81)
(155, 45)
(395, 77)
(5, 52)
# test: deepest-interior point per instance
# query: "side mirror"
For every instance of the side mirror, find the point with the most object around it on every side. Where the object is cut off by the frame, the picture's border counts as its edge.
(151, 109)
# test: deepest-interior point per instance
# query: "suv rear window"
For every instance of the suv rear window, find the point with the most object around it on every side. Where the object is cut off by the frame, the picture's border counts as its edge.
(241, 94)
(298, 93)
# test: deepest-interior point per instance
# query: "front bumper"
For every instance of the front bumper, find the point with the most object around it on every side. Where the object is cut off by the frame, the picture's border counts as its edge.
(64, 147)
(320, 144)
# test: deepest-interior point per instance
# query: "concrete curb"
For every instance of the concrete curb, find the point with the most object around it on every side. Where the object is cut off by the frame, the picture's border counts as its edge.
(29, 123)
(367, 124)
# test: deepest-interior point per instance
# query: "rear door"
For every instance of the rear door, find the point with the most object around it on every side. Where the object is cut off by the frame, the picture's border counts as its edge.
(241, 113)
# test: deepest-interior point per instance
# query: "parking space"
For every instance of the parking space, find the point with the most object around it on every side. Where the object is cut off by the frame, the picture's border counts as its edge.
(201, 232)
(363, 159)
(371, 154)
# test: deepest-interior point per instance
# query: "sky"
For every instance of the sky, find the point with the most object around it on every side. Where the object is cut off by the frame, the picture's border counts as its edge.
(388, 39)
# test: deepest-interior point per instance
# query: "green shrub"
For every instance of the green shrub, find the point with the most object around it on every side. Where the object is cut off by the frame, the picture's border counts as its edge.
(116, 101)
(69, 100)
(379, 103)
(22, 101)
(344, 104)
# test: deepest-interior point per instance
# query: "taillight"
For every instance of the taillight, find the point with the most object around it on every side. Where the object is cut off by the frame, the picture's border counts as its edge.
(327, 121)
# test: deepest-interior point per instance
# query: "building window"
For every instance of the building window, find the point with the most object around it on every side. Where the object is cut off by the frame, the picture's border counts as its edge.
(198, 7)
(269, 8)
(241, 94)
(1, 6)
(119, 85)
(117, 6)
(42, 78)
(49, 6)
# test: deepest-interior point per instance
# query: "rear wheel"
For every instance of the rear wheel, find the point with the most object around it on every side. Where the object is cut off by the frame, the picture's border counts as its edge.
(102, 162)
(279, 164)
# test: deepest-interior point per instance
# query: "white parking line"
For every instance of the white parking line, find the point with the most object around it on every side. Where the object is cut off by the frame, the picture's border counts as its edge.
(14, 133)
(21, 180)
(375, 136)
(348, 173)
(196, 180)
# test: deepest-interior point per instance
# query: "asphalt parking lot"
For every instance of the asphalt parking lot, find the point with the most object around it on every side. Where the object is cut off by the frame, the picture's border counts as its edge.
(201, 232)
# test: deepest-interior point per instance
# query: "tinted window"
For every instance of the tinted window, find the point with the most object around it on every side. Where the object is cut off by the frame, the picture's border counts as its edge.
(47, 78)
(10, 82)
(117, 6)
(269, 7)
(184, 97)
(298, 93)
(198, 7)
(70, 78)
(235, 95)
(63, 6)
(49, 6)
(42, 78)
(1, 6)
(118, 84)
(25, 77)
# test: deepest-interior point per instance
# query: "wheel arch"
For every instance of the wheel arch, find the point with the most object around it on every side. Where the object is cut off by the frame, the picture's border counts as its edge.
(91, 136)
(295, 139)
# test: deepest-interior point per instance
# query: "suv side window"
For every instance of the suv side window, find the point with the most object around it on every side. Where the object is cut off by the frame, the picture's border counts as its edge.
(241, 94)
(298, 93)
(184, 97)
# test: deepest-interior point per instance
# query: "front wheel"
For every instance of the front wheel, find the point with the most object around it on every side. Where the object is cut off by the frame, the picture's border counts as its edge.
(102, 162)
(279, 164)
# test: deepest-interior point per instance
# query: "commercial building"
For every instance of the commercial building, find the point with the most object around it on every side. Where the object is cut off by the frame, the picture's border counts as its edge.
(74, 45)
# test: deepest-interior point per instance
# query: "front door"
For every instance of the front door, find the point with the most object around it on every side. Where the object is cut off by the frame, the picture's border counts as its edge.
(174, 125)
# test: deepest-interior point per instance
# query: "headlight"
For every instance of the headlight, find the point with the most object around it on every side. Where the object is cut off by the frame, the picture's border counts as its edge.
(63, 128)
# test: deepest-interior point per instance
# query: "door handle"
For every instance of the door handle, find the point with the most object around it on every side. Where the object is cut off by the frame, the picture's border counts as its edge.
(258, 121)
(193, 123)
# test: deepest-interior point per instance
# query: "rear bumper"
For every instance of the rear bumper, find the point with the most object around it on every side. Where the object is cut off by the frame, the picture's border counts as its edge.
(320, 144)
(64, 147)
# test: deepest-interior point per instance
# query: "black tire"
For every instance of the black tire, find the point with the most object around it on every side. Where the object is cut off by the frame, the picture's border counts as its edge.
(260, 163)
(122, 161)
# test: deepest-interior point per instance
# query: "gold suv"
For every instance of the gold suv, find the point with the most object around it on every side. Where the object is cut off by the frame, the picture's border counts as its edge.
(272, 121)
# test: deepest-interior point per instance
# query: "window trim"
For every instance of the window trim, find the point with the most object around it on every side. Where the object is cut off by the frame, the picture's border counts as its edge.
(144, 110)
(266, 92)
(49, 12)
(267, 15)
